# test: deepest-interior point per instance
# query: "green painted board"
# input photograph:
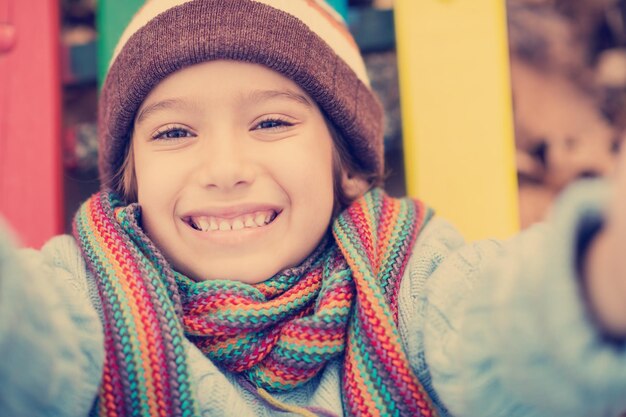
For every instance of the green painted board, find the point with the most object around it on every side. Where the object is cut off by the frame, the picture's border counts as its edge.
(341, 6)
(112, 17)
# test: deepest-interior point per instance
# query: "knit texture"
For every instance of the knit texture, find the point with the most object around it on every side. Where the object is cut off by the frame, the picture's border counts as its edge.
(145, 372)
(277, 334)
(299, 39)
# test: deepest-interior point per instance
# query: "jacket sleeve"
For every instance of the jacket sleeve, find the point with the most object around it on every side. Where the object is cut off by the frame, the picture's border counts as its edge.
(500, 329)
(51, 339)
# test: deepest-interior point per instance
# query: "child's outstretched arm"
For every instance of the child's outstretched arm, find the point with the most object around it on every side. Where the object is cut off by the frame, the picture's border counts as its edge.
(504, 329)
(604, 264)
(51, 340)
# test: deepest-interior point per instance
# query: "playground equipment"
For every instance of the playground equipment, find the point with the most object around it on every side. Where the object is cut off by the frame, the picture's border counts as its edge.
(456, 112)
(455, 93)
(30, 119)
(112, 18)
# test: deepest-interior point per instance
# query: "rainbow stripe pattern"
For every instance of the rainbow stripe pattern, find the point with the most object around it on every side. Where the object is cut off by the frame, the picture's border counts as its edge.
(145, 370)
(341, 302)
(376, 235)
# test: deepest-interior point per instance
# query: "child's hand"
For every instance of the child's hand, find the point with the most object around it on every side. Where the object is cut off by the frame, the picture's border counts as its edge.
(605, 263)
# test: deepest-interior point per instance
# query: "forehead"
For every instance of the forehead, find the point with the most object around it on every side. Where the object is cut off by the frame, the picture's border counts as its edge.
(227, 82)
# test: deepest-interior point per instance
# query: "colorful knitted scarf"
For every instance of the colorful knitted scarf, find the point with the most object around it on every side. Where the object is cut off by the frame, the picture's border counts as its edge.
(276, 335)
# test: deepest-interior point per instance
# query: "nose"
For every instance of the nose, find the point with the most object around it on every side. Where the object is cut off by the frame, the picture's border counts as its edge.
(224, 163)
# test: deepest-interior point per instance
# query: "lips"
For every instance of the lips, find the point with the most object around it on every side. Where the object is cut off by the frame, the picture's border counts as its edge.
(215, 223)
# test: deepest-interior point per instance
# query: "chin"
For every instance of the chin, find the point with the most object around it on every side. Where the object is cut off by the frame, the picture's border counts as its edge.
(232, 274)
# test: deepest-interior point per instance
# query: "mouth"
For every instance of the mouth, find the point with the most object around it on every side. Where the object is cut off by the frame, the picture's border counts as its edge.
(254, 220)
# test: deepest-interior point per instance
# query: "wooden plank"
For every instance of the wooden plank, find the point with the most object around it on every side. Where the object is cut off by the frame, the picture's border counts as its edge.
(341, 6)
(456, 112)
(112, 17)
(30, 121)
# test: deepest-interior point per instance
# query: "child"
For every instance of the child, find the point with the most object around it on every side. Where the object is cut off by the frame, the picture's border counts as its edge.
(240, 260)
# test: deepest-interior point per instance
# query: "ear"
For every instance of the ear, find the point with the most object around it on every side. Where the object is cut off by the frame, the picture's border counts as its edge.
(353, 186)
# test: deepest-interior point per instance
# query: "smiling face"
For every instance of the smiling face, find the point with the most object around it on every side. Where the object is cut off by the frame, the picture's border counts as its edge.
(233, 164)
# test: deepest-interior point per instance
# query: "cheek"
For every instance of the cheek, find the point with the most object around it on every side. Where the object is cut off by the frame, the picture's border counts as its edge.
(147, 180)
(309, 171)
(157, 183)
(308, 168)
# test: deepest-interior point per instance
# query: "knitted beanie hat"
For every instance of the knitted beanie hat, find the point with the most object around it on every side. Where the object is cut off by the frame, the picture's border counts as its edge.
(304, 40)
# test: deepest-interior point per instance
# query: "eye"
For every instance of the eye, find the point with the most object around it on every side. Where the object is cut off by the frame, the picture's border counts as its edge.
(273, 123)
(172, 133)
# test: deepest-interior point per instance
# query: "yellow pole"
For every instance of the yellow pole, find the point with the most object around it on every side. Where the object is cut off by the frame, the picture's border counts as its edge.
(456, 112)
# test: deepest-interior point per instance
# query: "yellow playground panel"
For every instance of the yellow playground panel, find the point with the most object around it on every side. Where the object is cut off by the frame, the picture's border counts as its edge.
(457, 112)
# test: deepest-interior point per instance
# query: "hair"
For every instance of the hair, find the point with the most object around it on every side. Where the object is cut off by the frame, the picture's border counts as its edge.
(125, 180)
(344, 162)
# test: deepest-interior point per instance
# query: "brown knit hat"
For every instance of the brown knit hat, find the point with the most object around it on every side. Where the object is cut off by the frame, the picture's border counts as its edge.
(304, 40)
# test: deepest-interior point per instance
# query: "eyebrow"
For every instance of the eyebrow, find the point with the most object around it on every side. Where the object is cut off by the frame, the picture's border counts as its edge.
(255, 96)
(172, 103)
(264, 95)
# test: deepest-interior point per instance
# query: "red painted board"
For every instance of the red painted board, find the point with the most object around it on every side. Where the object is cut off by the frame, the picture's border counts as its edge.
(30, 119)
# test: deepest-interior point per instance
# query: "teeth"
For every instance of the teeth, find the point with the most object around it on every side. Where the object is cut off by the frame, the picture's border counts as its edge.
(259, 219)
(202, 223)
(237, 224)
(250, 221)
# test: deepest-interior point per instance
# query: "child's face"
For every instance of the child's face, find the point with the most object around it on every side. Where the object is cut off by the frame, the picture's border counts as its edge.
(230, 146)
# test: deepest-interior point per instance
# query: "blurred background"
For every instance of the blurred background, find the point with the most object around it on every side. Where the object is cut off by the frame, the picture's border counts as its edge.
(565, 62)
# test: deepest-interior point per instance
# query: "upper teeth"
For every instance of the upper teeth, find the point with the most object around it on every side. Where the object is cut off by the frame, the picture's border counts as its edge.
(250, 220)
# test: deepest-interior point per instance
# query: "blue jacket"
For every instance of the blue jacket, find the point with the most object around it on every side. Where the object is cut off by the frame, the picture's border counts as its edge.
(492, 329)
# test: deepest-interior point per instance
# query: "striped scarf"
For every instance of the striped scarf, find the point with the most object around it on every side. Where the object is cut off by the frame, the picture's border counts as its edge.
(276, 335)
